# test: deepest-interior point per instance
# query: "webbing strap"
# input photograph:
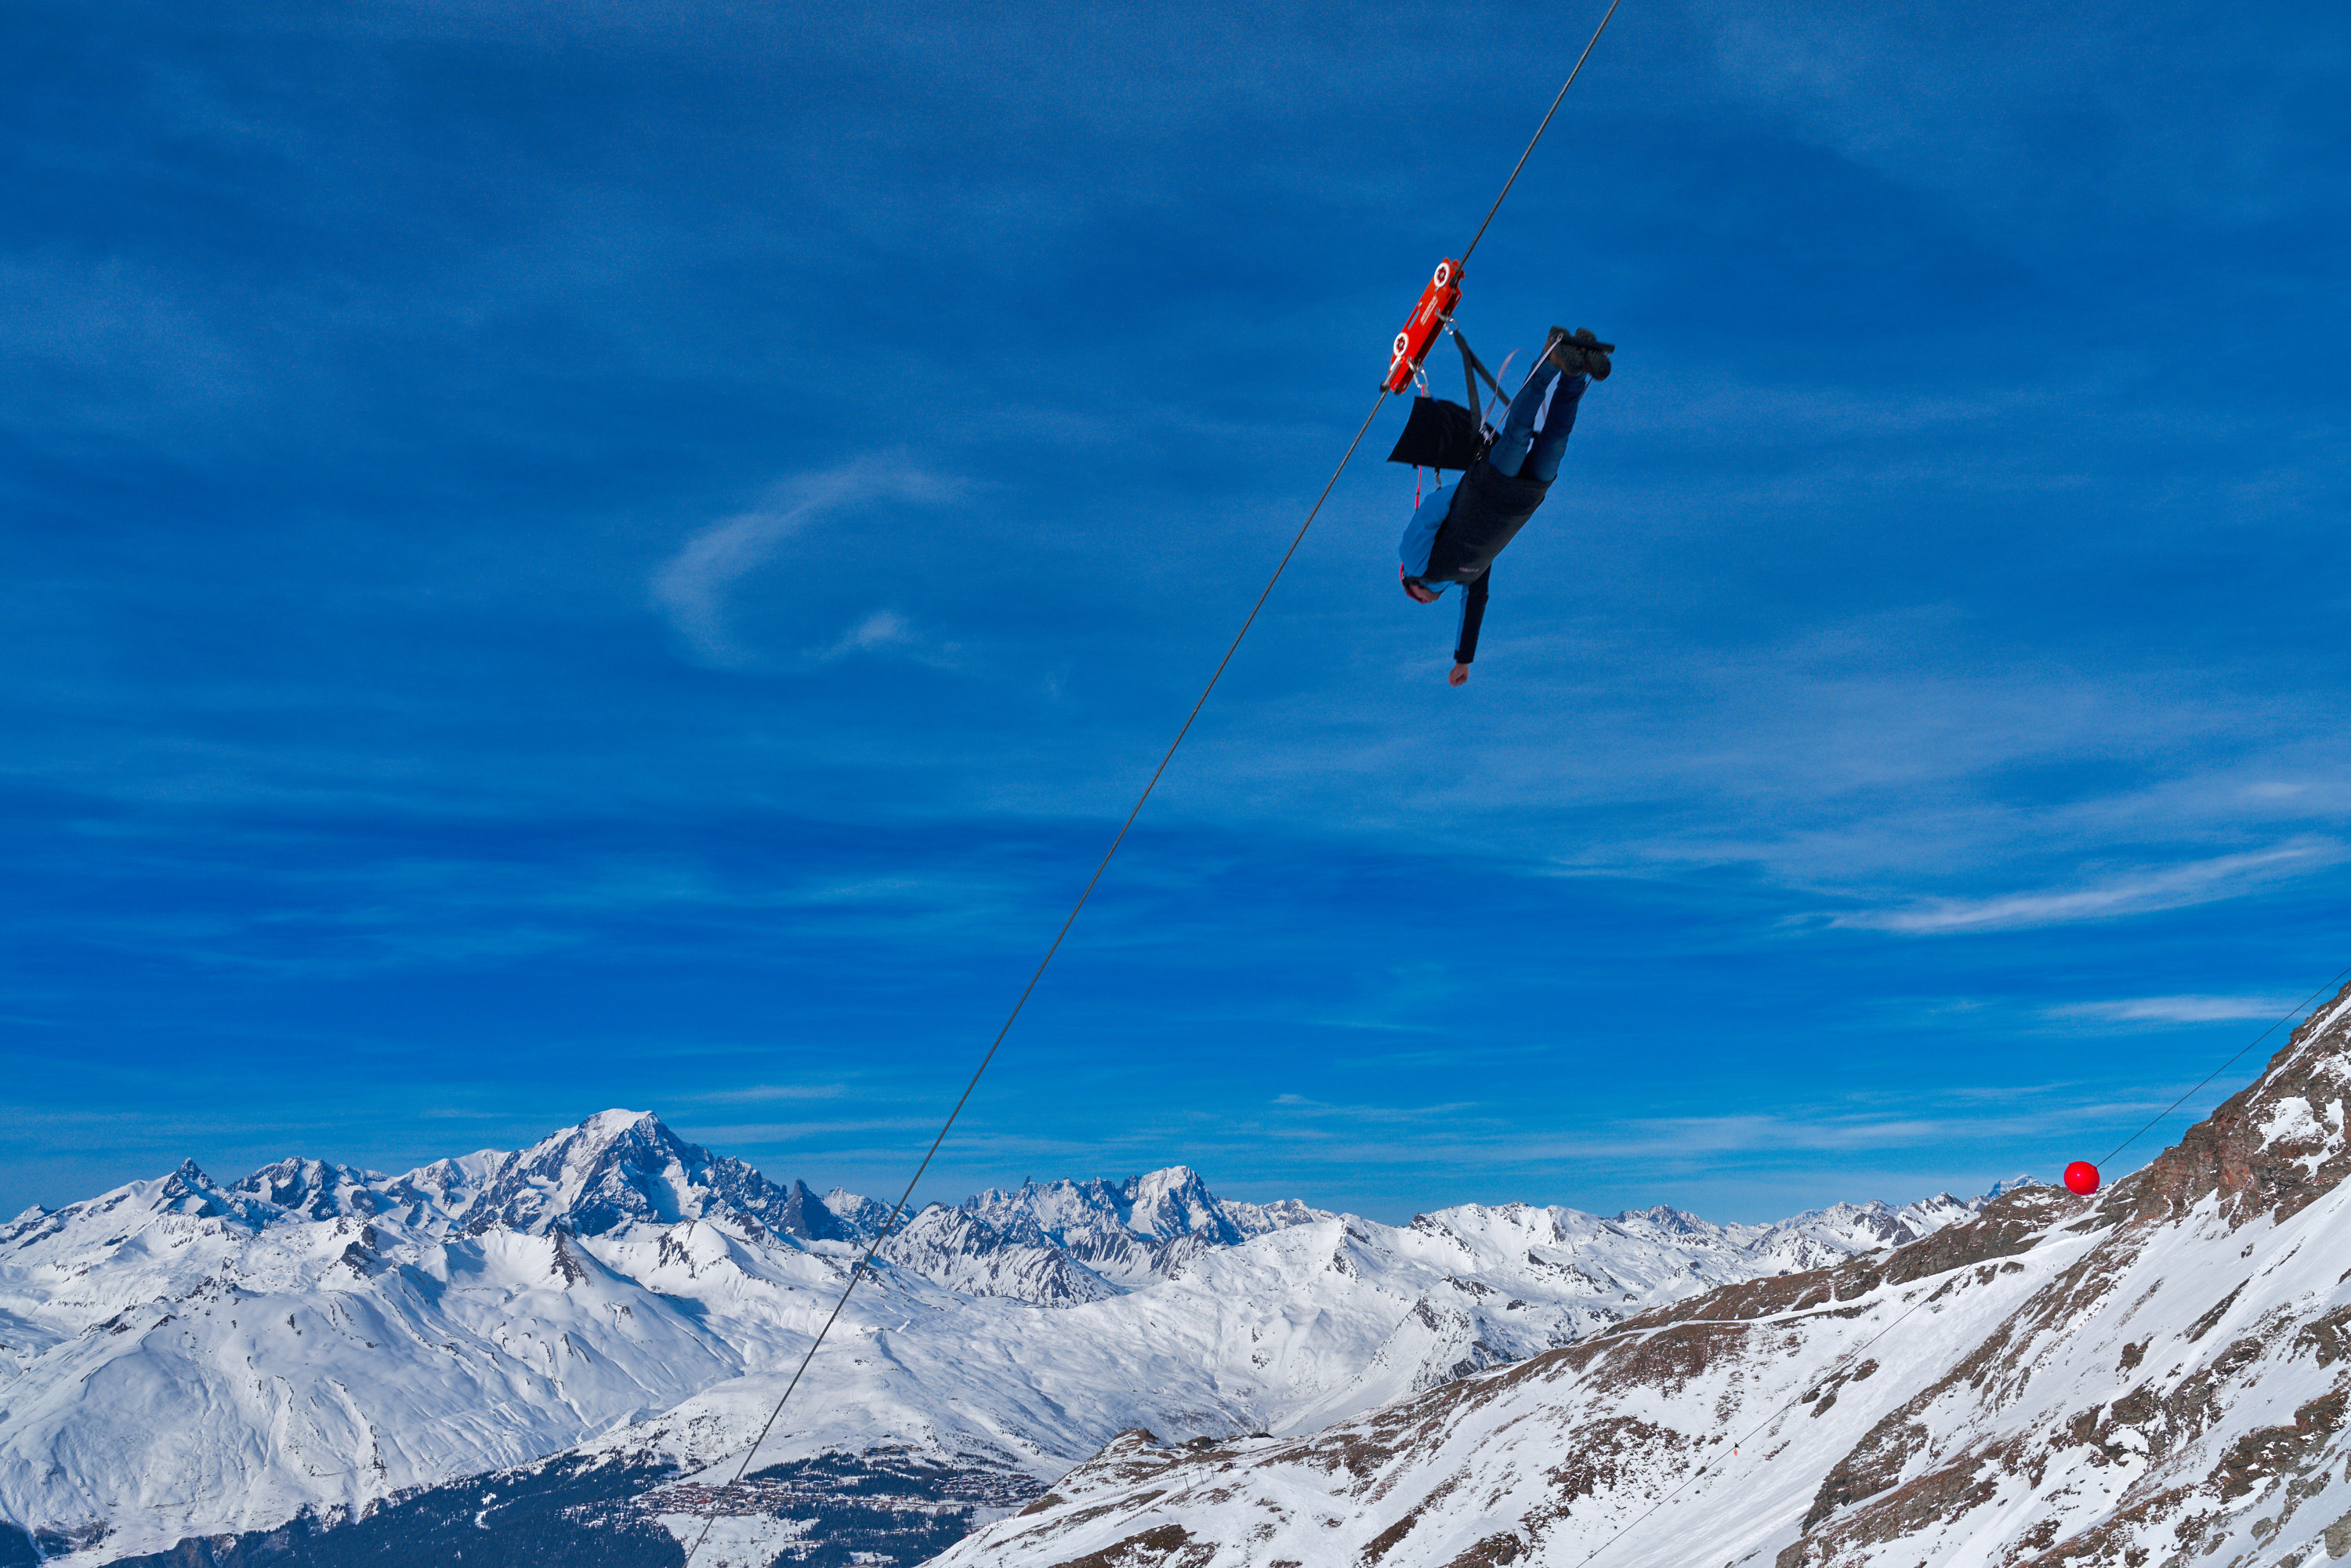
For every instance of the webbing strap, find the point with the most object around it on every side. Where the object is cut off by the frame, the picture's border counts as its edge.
(1473, 368)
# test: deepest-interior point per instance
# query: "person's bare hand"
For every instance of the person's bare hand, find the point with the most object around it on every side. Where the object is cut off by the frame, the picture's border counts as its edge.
(1460, 673)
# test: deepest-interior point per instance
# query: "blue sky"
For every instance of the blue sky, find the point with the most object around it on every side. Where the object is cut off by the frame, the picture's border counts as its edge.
(560, 557)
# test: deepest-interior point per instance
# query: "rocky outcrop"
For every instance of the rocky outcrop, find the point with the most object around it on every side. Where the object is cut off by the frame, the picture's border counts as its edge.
(2272, 1149)
(2157, 1378)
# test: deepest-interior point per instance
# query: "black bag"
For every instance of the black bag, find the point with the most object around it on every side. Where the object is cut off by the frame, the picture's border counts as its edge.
(1440, 434)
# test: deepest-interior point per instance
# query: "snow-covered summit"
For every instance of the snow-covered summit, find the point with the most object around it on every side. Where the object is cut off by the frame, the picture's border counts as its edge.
(616, 1169)
(314, 1189)
(1131, 1231)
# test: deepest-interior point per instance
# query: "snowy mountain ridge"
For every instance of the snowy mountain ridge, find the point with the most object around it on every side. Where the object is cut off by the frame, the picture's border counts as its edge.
(2154, 1377)
(187, 1358)
(616, 1169)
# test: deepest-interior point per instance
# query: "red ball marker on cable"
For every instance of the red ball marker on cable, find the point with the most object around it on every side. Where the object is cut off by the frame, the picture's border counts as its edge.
(2082, 1177)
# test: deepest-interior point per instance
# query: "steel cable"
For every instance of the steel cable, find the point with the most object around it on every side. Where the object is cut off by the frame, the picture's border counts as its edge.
(865, 1263)
(1538, 136)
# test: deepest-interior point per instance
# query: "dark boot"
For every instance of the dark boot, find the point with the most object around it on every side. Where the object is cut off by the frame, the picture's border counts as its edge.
(1579, 352)
(1561, 349)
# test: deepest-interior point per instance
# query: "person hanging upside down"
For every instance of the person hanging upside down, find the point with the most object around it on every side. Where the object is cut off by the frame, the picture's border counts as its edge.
(1456, 533)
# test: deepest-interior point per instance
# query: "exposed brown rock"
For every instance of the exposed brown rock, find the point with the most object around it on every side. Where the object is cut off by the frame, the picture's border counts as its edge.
(1493, 1551)
(1378, 1545)
(1166, 1546)
(1936, 1498)
(2259, 1455)
(2008, 1225)
(1873, 1465)
(1597, 1452)
(2328, 1337)
(2205, 1324)
(2339, 1537)
(2107, 1544)
(2225, 1154)
(1669, 1358)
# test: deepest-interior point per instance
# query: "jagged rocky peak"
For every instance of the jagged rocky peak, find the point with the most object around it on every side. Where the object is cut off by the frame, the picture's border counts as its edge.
(186, 1191)
(1155, 1207)
(624, 1167)
(317, 1190)
(803, 1214)
(433, 1196)
(1174, 1202)
(2272, 1148)
(617, 1168)
(187, 1185)
(1945, 1209)
(1866, 1226)
(1132, 1231)
(1665, 1219)
(861, 1217)
(189, 1191)
(960, 1249)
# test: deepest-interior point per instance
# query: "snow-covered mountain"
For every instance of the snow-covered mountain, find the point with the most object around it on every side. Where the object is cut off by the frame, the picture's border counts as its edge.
(617, 1168)
(183, 1358)
(1138, 1230)
(2153, 1378)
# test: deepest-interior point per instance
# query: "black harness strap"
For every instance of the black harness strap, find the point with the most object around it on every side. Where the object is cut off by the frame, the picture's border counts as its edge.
(1473, 369)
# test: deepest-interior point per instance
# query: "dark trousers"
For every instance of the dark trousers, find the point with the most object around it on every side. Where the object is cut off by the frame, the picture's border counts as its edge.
(1535, 431)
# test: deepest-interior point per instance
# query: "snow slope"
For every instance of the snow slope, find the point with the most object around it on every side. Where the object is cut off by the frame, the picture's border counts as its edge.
(183, 1358)
(2152, 1378)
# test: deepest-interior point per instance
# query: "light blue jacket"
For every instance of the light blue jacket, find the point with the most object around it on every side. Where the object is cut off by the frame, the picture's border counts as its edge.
(1420, 534)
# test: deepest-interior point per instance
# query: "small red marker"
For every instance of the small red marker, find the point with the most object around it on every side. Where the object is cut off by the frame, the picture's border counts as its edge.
(2082, 1177)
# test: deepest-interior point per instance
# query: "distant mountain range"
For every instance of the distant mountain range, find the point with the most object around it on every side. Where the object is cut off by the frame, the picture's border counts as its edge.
(316, 1355)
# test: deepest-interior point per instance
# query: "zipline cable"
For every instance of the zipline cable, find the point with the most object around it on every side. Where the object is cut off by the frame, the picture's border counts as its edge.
(1538, 136)
(858, 1273)
(2224, 1067)
(1809, 1389)
(1834, 1372)
(865, 1263)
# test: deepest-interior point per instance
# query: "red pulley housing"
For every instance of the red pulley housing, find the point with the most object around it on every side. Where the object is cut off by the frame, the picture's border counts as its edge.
(1428, 318)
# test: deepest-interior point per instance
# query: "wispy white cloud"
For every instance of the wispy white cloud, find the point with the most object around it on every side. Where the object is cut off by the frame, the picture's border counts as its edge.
(1690, 1136)
(691, 587)
(2172, 887)
(2176, 1009)
(1981, 101)
(882, 628)
(886, 630)
(761, 1092)
(1299, 1105)
(770, 1133)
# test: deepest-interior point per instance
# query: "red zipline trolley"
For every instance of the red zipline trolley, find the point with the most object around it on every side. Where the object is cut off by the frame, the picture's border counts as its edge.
(1428, 318)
